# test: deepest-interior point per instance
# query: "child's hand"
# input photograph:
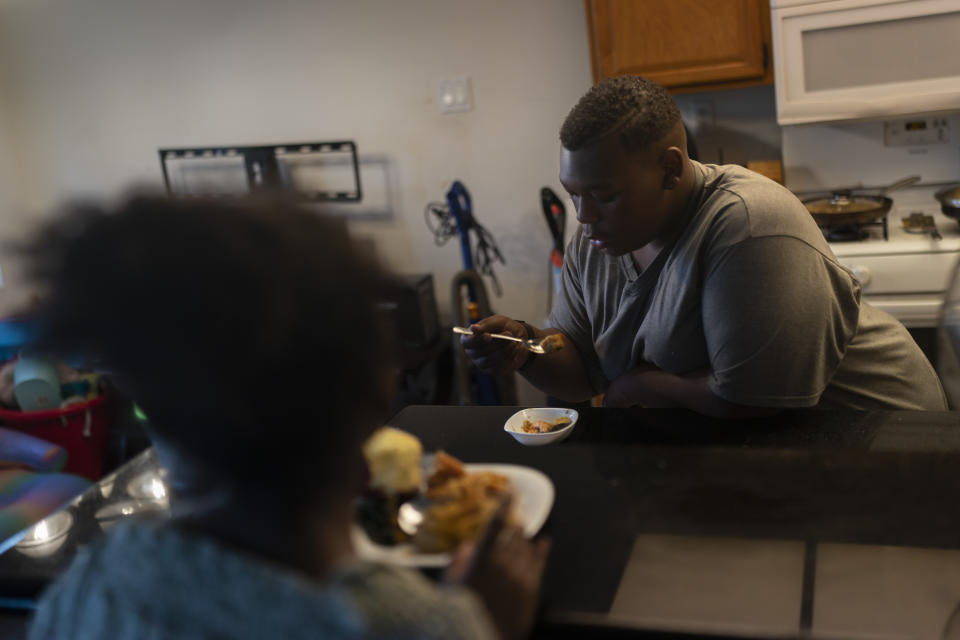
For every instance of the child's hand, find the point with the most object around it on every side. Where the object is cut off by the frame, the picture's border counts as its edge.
(504, 569)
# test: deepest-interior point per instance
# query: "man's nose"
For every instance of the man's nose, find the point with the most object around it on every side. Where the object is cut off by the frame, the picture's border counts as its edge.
(586, 212)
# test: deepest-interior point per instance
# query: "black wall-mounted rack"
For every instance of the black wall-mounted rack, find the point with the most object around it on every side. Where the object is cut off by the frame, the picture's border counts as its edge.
(263, 166)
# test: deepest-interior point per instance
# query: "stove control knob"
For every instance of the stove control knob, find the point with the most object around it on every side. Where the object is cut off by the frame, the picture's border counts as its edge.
(862, 274)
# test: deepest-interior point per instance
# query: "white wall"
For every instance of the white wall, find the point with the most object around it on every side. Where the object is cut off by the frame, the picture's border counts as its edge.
(93, 88)
(12, 217)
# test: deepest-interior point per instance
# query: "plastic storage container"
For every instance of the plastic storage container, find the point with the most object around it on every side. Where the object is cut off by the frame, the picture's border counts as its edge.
(80, 428)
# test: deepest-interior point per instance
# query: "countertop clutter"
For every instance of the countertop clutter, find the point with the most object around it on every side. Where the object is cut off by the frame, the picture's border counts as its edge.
(50, 400)
(136, 488)
(37, 383)
(810, 522)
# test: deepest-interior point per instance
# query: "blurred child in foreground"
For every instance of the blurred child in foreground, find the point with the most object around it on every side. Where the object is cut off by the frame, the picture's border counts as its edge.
(249, 335)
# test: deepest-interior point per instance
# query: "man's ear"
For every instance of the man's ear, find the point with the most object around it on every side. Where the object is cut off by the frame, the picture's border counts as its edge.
(671, 162)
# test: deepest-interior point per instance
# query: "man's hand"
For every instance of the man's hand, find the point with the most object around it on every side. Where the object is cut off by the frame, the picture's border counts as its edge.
(560, 373)
(494, 356)
(504, 569)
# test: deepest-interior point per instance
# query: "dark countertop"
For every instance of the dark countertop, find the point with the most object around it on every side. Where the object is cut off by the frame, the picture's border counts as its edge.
(813, 477)
(791, 497)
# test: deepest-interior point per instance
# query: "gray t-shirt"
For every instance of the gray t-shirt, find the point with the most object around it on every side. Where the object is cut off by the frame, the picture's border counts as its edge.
(748, 288)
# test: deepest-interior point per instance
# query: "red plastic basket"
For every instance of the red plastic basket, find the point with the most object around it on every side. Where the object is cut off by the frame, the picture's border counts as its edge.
(80, 428)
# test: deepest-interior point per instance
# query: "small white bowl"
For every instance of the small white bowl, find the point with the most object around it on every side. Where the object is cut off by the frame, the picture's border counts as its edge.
(514, 422)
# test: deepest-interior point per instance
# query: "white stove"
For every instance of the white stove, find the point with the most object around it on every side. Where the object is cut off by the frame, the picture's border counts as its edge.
(906, 274)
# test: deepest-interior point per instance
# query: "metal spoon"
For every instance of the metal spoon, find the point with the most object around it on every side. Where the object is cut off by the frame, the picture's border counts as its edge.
(411, 514)
(535, 346)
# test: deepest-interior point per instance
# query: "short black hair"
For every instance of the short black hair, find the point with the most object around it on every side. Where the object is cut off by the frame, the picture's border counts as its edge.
(642, 111)
(247, 332)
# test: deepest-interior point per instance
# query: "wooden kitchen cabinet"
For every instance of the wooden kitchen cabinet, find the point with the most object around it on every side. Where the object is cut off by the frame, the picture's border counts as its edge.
(686, 45)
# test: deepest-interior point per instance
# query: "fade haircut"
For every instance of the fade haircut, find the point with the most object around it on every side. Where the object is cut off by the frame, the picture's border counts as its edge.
(641, 111)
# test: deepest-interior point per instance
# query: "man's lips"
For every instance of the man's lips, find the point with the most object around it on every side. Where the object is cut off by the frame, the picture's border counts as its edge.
(598, 241)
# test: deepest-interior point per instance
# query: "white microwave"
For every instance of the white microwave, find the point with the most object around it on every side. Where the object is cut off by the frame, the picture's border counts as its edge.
(854, 59)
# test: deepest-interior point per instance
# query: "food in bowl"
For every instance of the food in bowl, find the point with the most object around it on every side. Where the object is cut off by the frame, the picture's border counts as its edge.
(559, 424)
(544, 426)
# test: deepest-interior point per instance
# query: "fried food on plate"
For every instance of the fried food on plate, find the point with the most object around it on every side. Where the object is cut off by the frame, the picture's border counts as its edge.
(445, 468)
(462, 503)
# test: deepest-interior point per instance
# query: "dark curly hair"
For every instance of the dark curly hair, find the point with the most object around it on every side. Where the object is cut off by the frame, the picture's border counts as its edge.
(248, 332)
(641, 111)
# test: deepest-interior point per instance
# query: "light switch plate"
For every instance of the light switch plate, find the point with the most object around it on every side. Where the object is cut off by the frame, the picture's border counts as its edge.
(454, 94)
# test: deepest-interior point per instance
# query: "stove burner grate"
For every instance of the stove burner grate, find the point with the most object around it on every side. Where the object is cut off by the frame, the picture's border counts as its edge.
(853, 232)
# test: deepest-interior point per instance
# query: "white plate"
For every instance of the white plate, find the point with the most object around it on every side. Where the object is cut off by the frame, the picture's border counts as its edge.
(533, 499)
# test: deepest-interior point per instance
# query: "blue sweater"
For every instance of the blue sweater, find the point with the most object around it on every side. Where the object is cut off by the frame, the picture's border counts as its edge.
(148, 582)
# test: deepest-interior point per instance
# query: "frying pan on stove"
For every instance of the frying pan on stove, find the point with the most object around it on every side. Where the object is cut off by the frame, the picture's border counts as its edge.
(843, 208)
(949, 198)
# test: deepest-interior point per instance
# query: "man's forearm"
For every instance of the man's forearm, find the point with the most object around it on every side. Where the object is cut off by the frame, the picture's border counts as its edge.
(561, 373)
(702, 399)
(652, 387)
